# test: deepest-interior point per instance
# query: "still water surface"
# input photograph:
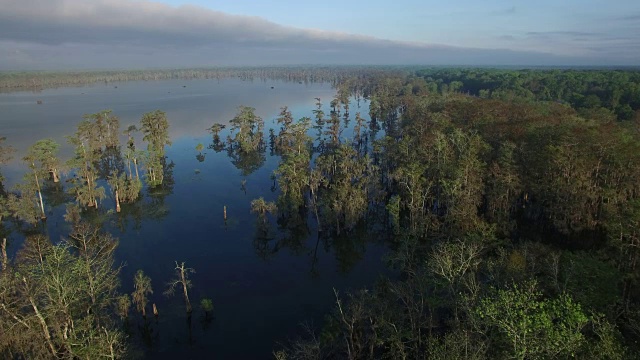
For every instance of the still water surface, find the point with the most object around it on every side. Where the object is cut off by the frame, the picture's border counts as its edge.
(261, 291)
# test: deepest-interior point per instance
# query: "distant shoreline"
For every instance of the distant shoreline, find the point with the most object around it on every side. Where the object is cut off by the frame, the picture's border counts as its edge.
(39, 80)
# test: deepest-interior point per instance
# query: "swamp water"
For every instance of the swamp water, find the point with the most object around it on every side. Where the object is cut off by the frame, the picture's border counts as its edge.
(262, 290)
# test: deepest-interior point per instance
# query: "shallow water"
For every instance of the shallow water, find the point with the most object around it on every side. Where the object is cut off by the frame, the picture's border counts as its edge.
(261, 291)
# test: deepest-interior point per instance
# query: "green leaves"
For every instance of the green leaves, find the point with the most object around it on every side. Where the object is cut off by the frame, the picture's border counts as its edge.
(155, 127)
(533, 326)
(142, 287)
(248, 129)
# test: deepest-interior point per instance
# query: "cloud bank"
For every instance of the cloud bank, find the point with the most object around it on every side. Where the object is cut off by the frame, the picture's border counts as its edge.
(71, 34)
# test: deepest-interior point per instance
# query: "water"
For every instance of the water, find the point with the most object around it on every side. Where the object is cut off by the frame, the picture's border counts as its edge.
(261, 291)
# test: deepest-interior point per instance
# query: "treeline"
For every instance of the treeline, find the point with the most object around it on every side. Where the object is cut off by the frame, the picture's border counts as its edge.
(595, 94)
(331, 74)
(514, 225)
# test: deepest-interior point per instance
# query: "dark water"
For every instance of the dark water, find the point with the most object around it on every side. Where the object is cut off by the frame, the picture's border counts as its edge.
(261, 291)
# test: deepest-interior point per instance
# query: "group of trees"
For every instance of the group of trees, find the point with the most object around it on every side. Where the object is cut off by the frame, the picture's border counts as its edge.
(97, 161)
(513, 224)
(511, 215)
(55, 300)
(63, 300)
(59, 299)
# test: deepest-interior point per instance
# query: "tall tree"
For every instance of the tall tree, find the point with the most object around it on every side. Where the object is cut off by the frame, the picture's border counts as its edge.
(155, 127)
(142, 287)
(247, 129)
(84, 182)
(43, 156)
(42, 160)
(181, 279)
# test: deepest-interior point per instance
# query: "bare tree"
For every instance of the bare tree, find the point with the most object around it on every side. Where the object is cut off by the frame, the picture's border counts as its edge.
(182, 278)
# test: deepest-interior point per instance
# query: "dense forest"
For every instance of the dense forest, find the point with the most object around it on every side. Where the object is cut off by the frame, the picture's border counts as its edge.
(509, 200)
(594, 94)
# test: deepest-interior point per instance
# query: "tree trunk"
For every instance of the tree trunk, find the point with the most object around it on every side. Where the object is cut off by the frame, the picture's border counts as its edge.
(44, 216)
(184, 289)
(155, 310)
(5, 259)
(117, 202)
(315, 210)
(54, 175)
(129, 166)
(43, 323)
(135, 162)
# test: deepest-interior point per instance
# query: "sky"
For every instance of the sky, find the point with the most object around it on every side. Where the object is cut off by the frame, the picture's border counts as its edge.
(113, 34)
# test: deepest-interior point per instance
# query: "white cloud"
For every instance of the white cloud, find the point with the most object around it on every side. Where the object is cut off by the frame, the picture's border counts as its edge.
(123, 33)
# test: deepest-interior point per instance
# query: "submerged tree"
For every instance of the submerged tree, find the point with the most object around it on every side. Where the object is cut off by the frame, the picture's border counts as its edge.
(182, 279)
(130, 153)
(247, 129)
(155, 127)
(262, 208)
(84, 182)
(41, 159)
(25, 202)
(142, 287)
(88, 146)
(293, 171)
(102, 130)
(43, 156)
(207, 306)
(215, 130)
(125, 190)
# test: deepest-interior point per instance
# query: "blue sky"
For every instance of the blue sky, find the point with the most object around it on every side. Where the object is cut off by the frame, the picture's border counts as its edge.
(56, 34)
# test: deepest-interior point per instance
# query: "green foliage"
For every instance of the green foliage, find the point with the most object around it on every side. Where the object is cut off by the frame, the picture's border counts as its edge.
(42, 158)
(592, 282)
(261, 207)
(207, 305)
(87, 148)
(123, 305)
(155, 128)
(611, 89)
(59, 301)
(393, 208)
(128, 189)
(534, 327)
(23, 203)
(142, 288)
(247, 128)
